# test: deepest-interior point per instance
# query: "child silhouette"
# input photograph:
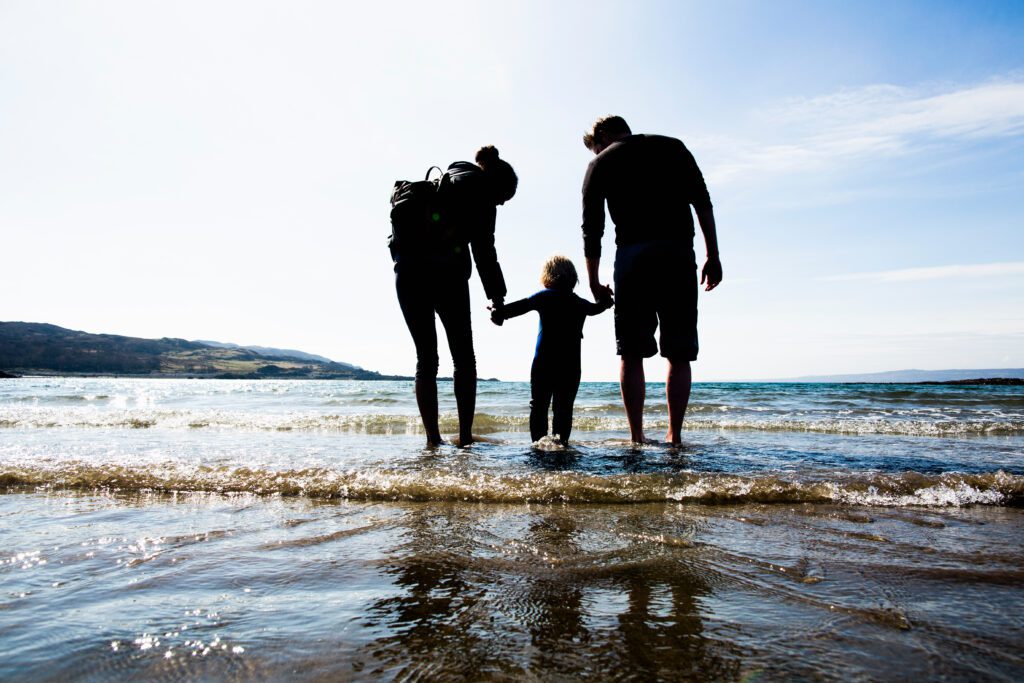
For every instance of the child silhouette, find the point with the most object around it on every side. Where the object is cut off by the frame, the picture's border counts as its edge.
(555, 375)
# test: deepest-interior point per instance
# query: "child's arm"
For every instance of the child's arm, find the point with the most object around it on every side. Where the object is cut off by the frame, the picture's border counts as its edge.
(500, 314)
(601, 306)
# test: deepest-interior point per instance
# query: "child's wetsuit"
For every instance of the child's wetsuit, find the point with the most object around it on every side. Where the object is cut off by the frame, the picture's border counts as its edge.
(556, 364)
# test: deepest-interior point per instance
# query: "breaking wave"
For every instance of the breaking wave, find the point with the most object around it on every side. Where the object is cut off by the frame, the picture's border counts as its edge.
(904, 489)
(484, 423)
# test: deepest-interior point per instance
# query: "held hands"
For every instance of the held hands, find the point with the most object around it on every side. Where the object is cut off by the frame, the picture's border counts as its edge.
(602, 293)
(496, 311)
(711, 273)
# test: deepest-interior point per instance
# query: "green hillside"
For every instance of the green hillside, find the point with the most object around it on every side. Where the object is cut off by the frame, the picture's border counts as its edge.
(39, 348)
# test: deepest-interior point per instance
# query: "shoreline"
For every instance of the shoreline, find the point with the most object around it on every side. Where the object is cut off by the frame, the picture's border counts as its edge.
(28, 374)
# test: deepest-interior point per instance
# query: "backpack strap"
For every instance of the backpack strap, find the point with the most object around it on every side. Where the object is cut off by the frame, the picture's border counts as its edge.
(427, 177)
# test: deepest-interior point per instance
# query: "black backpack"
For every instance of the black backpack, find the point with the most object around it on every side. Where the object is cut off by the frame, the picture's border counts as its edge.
(417, 215)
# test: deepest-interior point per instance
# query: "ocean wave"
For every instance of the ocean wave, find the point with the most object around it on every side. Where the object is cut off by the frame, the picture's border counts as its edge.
(373, 400)
(904, 489)
(484, 423)
(60, 398)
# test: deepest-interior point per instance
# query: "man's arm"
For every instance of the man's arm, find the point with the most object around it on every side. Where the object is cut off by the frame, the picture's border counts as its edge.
(701, 200)
(593, 230)
(712, 270)
(602, 293)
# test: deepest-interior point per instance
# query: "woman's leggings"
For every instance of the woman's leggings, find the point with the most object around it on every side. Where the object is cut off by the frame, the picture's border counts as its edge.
(552, 384)
(422, 293)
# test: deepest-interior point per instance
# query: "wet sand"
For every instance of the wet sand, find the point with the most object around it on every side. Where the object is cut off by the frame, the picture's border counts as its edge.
(243, 587)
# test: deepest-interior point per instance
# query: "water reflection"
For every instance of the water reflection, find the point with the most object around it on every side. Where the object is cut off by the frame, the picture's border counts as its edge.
(616, 458)
(429, 624)
(559, 460)
(661, 633)
(563, 591)
(554, 610)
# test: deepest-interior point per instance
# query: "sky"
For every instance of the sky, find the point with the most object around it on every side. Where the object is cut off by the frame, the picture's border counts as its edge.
(221, 170)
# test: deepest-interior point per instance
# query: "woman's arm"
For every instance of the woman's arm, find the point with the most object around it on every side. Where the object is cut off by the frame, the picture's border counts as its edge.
(484, 253)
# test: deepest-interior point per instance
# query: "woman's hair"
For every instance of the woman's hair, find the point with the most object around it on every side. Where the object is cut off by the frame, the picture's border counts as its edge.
(505, 179)
(558, 273)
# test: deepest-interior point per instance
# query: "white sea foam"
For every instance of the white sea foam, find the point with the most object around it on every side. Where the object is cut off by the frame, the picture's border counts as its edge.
(900, 490)
(34, 417)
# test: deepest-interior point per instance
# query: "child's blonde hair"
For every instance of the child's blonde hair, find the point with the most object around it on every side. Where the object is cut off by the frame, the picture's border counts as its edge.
(558, 273)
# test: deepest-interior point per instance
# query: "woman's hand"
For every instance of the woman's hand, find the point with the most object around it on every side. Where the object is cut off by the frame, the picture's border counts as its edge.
(495, 308)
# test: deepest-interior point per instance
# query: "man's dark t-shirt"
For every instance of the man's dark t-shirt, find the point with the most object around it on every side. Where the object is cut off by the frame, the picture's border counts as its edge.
(649, 182)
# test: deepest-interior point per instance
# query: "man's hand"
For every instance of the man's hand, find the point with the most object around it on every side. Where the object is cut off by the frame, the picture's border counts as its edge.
(711, 273)
(602, 293)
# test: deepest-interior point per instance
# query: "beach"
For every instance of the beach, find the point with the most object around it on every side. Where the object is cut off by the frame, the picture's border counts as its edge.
(254, 530)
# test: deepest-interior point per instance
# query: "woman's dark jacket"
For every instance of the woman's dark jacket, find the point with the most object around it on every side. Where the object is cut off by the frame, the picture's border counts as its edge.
(468, 215)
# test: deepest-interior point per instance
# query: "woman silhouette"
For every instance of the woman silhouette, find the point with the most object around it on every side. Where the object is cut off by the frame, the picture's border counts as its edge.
(434, 279)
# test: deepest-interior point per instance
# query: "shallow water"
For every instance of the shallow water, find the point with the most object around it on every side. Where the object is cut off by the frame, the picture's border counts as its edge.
(166, 529)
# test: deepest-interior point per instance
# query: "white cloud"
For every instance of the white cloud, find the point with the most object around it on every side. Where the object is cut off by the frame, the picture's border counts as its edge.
(880, 120)
(934, 273)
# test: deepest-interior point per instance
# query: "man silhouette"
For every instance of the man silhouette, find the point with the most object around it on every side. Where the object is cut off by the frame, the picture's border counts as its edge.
(649, 183)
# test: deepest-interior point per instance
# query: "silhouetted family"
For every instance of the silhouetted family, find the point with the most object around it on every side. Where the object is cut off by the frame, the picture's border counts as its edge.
(649, 183)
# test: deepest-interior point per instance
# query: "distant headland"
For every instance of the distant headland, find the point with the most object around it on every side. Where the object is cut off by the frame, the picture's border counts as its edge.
(986, 381)
(40, 348)
(994, 376)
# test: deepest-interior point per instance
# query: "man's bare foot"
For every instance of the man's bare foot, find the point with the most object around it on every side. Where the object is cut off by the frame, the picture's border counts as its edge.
(673, 440)
(434, 443)
(464, 440)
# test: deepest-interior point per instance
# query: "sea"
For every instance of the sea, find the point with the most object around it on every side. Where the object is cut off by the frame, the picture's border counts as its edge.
(187, 529)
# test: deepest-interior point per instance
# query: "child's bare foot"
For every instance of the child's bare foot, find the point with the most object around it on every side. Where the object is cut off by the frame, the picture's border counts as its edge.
(464, 440)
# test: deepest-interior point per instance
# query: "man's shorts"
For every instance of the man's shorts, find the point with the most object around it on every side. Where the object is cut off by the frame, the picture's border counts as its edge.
(656, 285)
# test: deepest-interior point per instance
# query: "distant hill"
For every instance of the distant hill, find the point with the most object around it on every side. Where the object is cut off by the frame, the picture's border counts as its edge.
(279, 353)
(910, 376)
(34, 348)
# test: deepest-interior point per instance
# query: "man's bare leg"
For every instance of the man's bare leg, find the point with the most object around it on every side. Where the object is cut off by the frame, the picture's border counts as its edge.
(678, 393)
(634, 391)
